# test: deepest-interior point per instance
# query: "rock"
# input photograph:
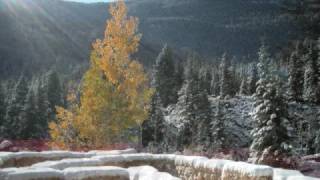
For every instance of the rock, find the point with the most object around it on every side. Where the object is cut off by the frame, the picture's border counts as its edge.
(6, 144)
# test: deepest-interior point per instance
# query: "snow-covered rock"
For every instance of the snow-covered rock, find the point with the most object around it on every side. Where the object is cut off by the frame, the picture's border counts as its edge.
(242, 170)
(148, 173)
(110, 159)
(301, 178)
(112, 152)
(66, 163)
(5, 144)
(283, 174)
(102, 172)
(34, 174)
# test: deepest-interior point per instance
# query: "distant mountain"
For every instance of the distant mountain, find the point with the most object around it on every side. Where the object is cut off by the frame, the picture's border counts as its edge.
(38, 34)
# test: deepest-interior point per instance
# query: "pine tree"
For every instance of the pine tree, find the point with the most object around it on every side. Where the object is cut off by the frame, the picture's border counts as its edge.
(311, 77)
(29, 124)
(253, 79)
(154, 126)
(244, 87)
(2, 108)
(42, 111)
(164, 77)
(217, 129)
(295, 78)
(205, 79)
(203, 117)
(54, 93)
(270, 113)
(15, 110)
(214, 85)
(226, 77)
(179, 77)
(195, 109)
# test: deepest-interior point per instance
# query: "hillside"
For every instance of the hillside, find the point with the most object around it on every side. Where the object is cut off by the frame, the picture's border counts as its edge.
(37, 34)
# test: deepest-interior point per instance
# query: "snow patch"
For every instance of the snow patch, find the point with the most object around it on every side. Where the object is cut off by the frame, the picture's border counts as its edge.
(34, 173)
(147, 173)
(66, 163)
(77, 173)
(283, 174)
(248, 169)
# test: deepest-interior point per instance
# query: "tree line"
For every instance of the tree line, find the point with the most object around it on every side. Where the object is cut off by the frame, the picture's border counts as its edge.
(190, 86)
(27, 105)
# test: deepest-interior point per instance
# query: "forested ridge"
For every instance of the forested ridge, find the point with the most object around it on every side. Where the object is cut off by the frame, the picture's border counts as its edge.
(205, 76)
(37, 35)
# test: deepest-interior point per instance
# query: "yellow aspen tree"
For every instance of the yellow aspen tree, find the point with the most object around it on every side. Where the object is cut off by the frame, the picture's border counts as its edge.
(115, 92)
(63, 131)
(129, 82)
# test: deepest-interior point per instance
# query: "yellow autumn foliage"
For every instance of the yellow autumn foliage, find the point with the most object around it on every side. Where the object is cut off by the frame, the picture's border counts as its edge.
(115, 93)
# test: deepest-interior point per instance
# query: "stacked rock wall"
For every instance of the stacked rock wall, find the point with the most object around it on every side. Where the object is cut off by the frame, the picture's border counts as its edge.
(100, 162)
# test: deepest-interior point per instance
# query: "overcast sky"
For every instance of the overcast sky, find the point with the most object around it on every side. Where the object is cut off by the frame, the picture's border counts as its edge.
(90, 1)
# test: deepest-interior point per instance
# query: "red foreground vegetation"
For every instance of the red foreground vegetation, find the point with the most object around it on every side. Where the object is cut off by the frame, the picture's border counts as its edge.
(45, 145)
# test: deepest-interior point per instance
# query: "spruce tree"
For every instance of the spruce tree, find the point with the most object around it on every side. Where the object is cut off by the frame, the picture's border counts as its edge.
(311, 77)
(253, 79)
(217, 129)
(195, 109)
(164, 77)
(29, 125)
(226, 77)
(295, 78)
(203, 117)
(179, 77)
(2, 108)
(153, 128)
(42, 110)
(270, 113)
(55, 97)
(244, 87)
(205, 79)
(214, 85)
(15, 110)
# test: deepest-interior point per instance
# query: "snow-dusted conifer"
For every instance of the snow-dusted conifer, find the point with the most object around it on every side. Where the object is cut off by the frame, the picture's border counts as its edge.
(214, 85)
(217, 129)
(311, 90)
(153, 128)
(226, 77)
(164, 77)
(196, 112)
(29, 124)
(15, 109)
(244, 87)
(295, 78)
(270, 113)
(55, 97)
(205, 78)
(253, 79)
(43, 110)
(2, 107)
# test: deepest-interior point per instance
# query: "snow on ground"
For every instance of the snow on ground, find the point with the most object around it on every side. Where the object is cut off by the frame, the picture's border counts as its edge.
(247, 169)
(148, 173)
(112, 152)
(301, 178)
(34, 173)
(65, 163)
(216, 163)
(139, 156)
(78, 173)
(283, 174)
(188, 160)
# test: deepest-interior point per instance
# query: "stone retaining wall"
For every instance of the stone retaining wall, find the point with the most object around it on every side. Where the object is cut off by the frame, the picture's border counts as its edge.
(184, 167)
